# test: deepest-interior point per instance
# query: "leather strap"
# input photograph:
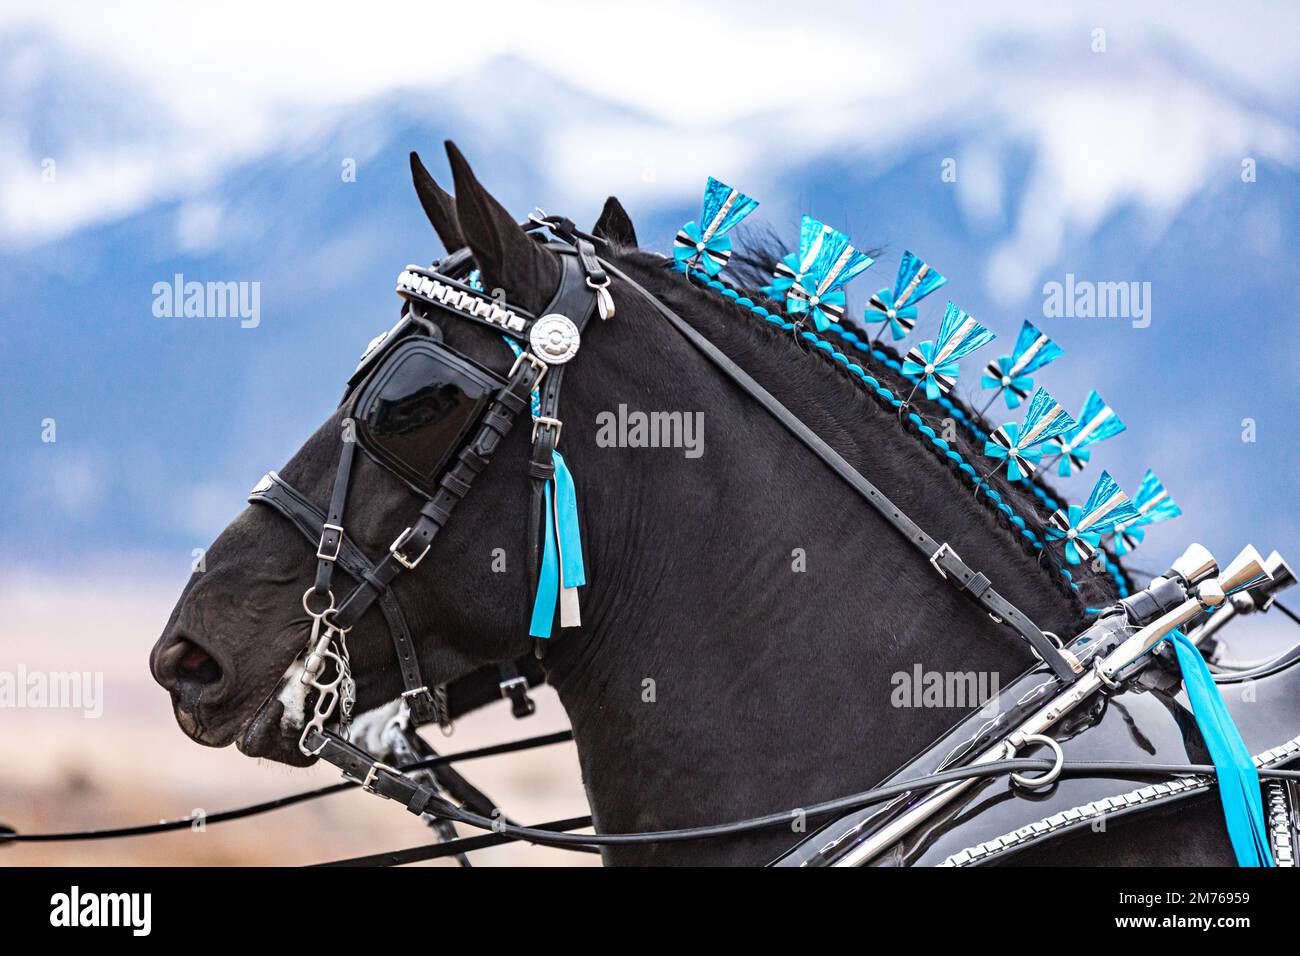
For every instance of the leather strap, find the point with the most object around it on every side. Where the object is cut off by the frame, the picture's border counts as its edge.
(277, 493)
(573, 299)
(374, 776)
(410, 547)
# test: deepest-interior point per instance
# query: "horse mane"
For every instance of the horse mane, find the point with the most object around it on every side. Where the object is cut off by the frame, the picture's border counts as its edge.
(824, 361)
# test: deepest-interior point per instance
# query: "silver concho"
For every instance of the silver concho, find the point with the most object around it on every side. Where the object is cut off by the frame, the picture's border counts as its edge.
(554, 338)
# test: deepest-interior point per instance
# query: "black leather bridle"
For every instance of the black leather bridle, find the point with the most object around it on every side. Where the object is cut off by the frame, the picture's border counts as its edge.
(583, 291)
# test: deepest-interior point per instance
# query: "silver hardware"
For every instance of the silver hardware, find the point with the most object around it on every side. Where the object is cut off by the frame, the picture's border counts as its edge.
(468, 301)
(1195, 564)
(604, 300)
(532, 360)
(338, 545)
(415, 690)
(326, 644)
(554, 338)
(1102, 676)
(368, 785)
(263, 484)
(939, 553)
(506, 685)
(395, 550)
(1045, 779)
(543, 420)
(316, 614)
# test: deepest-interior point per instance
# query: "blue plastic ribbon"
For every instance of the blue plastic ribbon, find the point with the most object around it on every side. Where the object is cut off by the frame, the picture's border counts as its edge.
(566, 525)
(1243, 807)
(562, 564)
(548, 582)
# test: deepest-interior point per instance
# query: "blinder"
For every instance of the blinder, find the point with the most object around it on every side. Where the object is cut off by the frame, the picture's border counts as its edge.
(417, 408)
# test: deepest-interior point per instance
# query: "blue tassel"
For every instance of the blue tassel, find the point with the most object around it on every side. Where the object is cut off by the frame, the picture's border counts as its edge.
(1243, 807)
(562, 571)
(548, 581)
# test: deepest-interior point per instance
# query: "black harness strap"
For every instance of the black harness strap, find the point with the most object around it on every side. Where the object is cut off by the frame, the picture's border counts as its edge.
(574, 300)
(331, 533)
(278, 494)
(410, 547)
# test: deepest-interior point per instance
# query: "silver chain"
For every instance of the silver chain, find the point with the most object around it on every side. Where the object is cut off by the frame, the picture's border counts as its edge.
(327, 646)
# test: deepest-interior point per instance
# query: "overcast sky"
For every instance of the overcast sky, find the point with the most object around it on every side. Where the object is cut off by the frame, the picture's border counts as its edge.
(188, 90)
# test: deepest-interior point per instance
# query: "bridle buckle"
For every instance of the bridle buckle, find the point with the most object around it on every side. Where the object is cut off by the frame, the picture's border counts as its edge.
(515, 690)
(395, 550)
(534, 361)
(338, 545)
(939, 552)
(555, 423)
(368, 785)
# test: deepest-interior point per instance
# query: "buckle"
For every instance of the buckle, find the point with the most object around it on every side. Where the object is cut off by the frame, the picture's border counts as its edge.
(515, 690)
(395, 550)
(942, 550)
(532, 360)
(338, 545)
(543, 420)
(368, 785)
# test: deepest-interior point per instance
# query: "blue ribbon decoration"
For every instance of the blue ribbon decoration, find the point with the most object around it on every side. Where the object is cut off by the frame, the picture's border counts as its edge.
(1097, 421)
(548, 581)
(573, 572)
(562, 564)
(1082, 528)
(1238, 778)
(934, 363)
(813, 279)
(898, 309)
(1010, 373)
(706, 241)
(1154, 505)
(1021, 445)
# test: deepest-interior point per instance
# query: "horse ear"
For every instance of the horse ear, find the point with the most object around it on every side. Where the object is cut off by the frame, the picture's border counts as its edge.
(507, 257)
(615, 224)
(438, 205)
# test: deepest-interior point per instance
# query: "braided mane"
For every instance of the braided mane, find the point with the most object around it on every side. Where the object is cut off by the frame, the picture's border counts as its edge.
(1019, 509)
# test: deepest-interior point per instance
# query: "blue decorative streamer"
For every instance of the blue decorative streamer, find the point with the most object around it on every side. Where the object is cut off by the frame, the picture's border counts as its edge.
(548, 581)
(1021, 445)
(1154, 505)
(1010, 373)
(562, 567)
(935, 363)
(897, 309)
(1082, 528)
(813, 280)
(1097, 421)
(1238, 778)
(706, 241)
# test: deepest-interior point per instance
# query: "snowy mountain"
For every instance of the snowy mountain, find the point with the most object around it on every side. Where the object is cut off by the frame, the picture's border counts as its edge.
(1050, 160)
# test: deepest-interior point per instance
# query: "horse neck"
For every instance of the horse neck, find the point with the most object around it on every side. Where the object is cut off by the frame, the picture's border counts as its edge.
(747, 615)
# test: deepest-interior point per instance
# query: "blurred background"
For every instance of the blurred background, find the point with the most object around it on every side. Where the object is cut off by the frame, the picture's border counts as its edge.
(1010, 145)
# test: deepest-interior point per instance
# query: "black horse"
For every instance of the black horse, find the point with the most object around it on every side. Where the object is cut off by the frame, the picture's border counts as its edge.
(746, 614)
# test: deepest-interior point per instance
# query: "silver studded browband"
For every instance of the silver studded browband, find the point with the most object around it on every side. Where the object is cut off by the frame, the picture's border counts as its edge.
(466, 301)
(1283, 852)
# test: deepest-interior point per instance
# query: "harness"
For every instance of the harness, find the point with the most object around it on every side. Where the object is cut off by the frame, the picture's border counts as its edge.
(470, 410)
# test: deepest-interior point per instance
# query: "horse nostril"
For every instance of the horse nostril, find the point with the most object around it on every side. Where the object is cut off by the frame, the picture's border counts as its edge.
(185, 665)
(198, 665)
